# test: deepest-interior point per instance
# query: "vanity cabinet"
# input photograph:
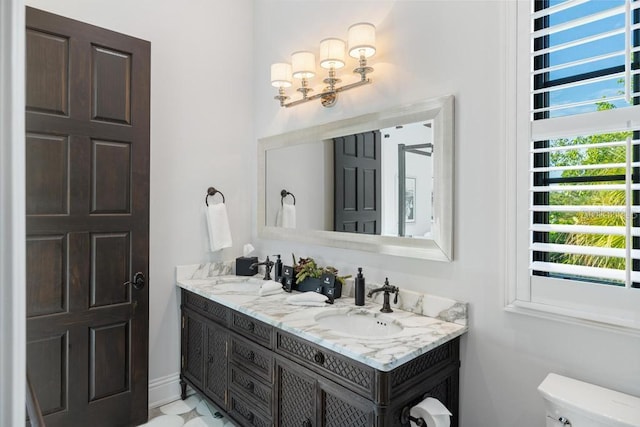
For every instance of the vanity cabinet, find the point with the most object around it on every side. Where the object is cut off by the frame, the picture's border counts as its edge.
(263, 376)
(204, 347)
(306, 399)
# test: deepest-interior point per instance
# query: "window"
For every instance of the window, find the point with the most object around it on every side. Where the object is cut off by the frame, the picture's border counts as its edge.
(578, 146)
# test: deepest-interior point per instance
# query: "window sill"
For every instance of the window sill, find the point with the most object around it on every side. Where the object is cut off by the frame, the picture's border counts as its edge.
(574, 317)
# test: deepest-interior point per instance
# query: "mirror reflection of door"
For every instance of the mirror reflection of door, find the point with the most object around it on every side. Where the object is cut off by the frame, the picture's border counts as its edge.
(407, 180)
(357, 183)
(407, 187)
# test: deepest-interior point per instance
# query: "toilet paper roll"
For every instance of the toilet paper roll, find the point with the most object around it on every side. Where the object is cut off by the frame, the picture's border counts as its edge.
(433, 412)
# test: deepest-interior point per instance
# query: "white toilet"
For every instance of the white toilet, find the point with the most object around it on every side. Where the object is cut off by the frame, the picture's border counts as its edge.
(573, 403)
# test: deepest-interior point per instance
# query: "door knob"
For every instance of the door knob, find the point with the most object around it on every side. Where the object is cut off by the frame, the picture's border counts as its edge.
(138, 281)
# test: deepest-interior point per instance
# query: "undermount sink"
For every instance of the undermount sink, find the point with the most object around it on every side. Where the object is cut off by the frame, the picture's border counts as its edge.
(359, 323)
(241, 285)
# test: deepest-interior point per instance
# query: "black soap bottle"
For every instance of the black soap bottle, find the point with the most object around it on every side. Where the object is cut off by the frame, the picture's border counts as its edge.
(359, 285)
(277, 274)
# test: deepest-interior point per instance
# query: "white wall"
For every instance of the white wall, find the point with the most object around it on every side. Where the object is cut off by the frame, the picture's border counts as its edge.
(201, 132)
(314, 195)
(428, 49)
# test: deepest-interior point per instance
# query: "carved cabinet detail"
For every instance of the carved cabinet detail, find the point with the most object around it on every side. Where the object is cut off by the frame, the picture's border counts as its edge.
(262, 376)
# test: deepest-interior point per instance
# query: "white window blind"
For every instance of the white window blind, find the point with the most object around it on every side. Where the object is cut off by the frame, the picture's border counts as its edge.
(584, 157)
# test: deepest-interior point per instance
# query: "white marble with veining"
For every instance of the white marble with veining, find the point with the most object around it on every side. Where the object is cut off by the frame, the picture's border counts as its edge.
(431, 322)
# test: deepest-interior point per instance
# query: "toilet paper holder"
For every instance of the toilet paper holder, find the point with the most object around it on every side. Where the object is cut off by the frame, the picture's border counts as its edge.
(405, 415)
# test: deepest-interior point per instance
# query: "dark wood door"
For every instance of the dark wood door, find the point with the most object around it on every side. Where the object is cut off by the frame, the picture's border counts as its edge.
(357, 183)
(87, 207)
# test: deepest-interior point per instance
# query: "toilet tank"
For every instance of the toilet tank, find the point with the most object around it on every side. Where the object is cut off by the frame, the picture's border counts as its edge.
(579, 404)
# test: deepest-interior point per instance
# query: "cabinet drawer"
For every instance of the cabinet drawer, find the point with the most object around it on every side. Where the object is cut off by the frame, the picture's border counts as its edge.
(252, 357)
(251, 328)
(206, 307)
(354, 375)
(243, 412)
(244, 382)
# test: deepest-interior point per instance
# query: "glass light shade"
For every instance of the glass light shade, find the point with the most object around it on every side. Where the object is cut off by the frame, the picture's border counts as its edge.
(362, 40)
(332, 53)
(281, 74)
(303, 64)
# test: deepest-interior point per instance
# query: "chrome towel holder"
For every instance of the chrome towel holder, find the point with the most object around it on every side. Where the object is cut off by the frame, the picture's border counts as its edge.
(211, 191)
(285, 193)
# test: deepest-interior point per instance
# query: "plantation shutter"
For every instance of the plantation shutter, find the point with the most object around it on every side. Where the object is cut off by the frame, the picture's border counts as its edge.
(585, 141)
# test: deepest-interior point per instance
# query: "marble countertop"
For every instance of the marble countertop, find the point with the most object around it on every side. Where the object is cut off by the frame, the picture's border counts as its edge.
(419, 333)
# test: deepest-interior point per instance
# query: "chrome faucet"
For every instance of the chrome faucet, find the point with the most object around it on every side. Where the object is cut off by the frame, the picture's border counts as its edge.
(268, 265)
(387, 289)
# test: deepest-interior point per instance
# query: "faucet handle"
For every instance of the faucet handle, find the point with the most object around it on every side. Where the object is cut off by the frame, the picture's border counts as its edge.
(395, 299)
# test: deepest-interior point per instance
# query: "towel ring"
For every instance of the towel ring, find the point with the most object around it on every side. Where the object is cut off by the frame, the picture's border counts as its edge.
(211, 192)
(285, 193)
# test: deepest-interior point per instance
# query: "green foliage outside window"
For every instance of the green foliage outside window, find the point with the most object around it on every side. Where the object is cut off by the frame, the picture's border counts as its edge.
(589, 156)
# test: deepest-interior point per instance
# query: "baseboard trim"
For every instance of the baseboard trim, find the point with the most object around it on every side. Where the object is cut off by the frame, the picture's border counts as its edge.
(164, 390)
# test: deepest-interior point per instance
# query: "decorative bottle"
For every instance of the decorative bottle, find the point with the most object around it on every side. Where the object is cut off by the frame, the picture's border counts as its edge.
(359, 287)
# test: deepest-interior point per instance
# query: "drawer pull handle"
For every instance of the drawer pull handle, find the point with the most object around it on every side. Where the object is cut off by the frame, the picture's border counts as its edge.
(251, 327)
(210, 359)
(318, 357)
(251, 356)
(206, 306)
(250, 386)
(250, 417)
(306, 423)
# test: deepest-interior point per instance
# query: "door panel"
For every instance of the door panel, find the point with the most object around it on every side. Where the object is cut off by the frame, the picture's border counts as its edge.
(87, 221)
(216, 370)
(47, 276)
(357, 167)
(110, 265)
(109, 361)
(47, 360)
(111, 177)
(295, 395)
(47, 174)
(194, 349)
(111, 85)
(47, 62)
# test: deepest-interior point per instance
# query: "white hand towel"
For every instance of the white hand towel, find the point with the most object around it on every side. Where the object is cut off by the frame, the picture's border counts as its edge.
(288, 216)
(218, 224)
(312, 299)
(270, 287)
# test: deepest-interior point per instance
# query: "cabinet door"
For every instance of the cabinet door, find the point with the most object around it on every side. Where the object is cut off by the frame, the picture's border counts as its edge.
(193, 335)
(216, 364)
(295, 396)
(340, 407)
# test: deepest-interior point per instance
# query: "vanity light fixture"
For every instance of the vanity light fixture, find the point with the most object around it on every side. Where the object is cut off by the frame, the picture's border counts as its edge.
(361, 45)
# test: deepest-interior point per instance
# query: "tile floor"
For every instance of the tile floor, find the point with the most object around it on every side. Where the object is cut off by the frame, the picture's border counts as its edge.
(191, 412)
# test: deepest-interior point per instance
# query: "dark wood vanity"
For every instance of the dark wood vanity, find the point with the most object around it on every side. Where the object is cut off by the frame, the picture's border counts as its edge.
(260, 375)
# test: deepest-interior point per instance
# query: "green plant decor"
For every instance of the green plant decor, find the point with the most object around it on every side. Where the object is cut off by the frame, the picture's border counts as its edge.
(307, 268)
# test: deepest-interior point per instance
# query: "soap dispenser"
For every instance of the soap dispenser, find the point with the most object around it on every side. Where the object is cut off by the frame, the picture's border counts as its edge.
(277, 272)
(359, 287)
